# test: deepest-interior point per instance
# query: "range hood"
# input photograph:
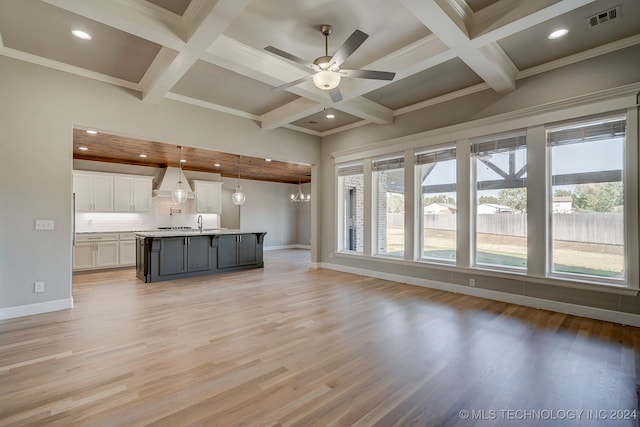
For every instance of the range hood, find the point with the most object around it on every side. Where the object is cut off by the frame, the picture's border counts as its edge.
(170, 182)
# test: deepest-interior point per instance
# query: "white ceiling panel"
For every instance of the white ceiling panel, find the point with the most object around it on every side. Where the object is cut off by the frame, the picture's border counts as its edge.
(216, 85)
(40, 29)
(444, 78)
(294, 26)
(531, 47)
(320, 123)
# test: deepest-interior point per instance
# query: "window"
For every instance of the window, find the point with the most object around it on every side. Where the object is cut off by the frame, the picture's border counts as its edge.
(587, 198)
(351, 207)
(388, 206)
(436, 189)
(500, 172)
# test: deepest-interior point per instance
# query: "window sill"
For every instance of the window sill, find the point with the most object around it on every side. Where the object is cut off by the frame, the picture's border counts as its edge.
(589, 285)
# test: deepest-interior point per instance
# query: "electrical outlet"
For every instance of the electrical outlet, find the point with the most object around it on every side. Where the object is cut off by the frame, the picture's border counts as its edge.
(44, 224)
(472, 282)
(38, 287)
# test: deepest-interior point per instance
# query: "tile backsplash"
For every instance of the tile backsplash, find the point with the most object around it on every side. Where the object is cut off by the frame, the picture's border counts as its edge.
(160, 215)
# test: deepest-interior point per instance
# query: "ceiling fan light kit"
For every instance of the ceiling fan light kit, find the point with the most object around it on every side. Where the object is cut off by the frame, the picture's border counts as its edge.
(327, 74)
(326, 80)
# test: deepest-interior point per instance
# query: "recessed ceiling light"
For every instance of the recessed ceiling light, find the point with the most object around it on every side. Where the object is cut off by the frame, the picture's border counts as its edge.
(558, 33)
(216, 165)
(83, 148)
(183, 161)
(81, 34)
(92, 132)
(267, 160)
(144, 156)
(331, 116)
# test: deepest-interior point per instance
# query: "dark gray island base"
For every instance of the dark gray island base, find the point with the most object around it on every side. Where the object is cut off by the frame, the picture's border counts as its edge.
(178, 254)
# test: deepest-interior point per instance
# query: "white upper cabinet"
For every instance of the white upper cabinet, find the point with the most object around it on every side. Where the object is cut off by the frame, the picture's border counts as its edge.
(208, 196)
(132, 194)
(108, 192)
(94, 192)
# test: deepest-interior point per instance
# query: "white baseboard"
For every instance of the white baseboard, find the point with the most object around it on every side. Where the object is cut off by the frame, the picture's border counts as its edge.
(560, 307)
(273, 248)
(38, 308)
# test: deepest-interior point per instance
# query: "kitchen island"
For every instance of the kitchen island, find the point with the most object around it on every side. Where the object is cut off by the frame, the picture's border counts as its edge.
(175, 254)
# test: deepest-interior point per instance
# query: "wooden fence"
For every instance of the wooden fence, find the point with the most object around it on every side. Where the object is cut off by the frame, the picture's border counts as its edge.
(605, 228)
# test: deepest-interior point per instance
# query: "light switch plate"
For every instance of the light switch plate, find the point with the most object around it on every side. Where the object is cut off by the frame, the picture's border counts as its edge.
(44, 224)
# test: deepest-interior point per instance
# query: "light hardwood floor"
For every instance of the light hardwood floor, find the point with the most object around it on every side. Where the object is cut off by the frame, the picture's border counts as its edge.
(290, 345)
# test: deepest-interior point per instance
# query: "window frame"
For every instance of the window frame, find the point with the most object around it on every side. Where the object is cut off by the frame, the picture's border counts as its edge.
(473, 194)
(340, 198)
(419, 214)
(375, 193)
(626, 146)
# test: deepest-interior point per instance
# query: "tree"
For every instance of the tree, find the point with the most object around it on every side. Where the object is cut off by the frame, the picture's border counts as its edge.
(562, 193)
(440, 198)
(492, 200)
(598, 197)
(515, 198)
(395, 202)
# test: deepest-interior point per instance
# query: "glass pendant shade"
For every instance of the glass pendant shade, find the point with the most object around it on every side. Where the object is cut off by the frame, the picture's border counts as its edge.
(238, 197)
(326, 80)
(179, 195)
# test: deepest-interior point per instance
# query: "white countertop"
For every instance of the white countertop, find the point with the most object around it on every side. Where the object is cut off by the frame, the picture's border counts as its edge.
(195, 232)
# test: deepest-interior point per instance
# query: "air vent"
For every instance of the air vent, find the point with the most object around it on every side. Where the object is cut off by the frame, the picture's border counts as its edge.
(604, 17)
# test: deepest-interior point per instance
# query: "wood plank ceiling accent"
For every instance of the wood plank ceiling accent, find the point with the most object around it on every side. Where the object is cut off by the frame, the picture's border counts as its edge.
(125, 150)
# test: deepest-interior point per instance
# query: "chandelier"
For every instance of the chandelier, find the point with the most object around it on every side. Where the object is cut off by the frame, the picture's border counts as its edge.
(299, 196)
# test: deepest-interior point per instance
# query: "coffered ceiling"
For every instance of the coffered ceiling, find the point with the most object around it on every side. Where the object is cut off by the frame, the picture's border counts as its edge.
(211, 53)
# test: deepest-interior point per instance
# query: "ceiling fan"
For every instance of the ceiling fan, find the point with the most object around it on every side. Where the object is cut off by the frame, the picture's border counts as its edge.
(327, 72)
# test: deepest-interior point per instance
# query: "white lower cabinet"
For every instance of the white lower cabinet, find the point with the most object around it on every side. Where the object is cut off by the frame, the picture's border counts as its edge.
(127, 249)
(96, 250)
(83, 256)
(107, 254)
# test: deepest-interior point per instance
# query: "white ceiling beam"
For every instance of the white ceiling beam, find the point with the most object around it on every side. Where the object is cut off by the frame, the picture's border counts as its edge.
(444, 20)
(288, 113)
(257, 64)
(366, 109)
(213, 20)
(134, 17)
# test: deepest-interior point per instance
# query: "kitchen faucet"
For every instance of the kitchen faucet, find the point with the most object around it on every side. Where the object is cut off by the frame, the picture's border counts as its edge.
(200, 222)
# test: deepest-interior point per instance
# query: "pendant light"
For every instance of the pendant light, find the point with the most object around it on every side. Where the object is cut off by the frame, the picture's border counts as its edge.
(179, 195)
(299, 196)
(238, 197)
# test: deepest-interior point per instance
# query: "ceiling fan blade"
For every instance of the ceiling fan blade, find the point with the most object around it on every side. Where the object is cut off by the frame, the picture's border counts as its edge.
(335, 95)
(288, 56)
(353, 42)
(369, 74)
(293, 83)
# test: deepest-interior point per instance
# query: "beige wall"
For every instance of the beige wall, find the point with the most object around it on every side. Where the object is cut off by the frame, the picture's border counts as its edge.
(38, 110)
